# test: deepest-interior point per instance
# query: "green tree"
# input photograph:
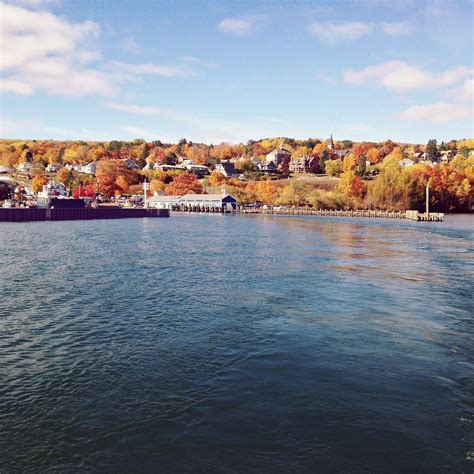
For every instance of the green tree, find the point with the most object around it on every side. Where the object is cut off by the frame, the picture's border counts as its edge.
(432, 150)
(333, 167)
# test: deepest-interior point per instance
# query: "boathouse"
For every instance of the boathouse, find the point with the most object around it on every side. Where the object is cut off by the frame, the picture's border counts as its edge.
(207, 202)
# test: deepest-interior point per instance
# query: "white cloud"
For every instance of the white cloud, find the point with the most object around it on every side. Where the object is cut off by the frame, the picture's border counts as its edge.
(464, 92)
(137, 109)
(128, 70)
(243, 26)
(438, 112)
(200, 62)
(397, 28)
(402, 77)
(339, 32)
(17, 87)
(43, 51)
(33, 4)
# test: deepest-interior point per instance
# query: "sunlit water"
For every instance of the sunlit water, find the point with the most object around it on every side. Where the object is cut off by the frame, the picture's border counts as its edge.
(245, 344)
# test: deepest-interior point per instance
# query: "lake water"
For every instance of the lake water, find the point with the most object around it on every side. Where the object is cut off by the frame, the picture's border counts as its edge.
(209, 343)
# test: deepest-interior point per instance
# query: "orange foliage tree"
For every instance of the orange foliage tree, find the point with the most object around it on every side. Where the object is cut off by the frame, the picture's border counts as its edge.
(184, 184)
(38, 182)
(122, 184)
(105, 185)
(217, 179)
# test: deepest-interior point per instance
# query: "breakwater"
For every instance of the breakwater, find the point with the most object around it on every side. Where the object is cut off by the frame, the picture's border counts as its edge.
(88, 213)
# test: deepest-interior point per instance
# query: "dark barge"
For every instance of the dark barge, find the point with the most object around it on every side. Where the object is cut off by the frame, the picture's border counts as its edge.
(70, 214)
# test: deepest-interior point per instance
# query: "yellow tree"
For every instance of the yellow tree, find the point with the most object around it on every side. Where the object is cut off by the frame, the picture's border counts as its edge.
(319, 148)
(38, 182)
(374, 156)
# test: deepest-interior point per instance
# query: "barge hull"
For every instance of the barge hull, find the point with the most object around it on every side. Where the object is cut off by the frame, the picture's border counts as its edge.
(88, 213)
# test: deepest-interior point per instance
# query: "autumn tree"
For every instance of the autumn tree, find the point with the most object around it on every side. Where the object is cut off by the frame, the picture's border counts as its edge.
(38, 182)
(217, 179)
(294, 194)
(185, 183)
(104, 185)
(373, 155)
(333, 167)
(65, 176)
(84, 192)
(156, 185)
(122, 184)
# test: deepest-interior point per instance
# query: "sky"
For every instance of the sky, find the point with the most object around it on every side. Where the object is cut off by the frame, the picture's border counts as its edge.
(229, 71)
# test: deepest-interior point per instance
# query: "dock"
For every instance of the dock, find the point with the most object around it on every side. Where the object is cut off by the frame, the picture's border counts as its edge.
(303, 211)
(367, 213)
(19, 214)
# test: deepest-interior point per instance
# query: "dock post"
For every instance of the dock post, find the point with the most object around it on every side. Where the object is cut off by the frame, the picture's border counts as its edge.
(427, 202)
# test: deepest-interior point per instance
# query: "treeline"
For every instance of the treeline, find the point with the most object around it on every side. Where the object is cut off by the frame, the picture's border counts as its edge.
(60, 153)
(393, 188)
(369, 176)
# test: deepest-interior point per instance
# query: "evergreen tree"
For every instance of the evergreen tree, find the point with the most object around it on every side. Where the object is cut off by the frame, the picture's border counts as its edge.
(432, 150)
(361, 165)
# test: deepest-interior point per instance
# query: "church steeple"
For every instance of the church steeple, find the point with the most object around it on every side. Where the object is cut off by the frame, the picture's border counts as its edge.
(331, 143)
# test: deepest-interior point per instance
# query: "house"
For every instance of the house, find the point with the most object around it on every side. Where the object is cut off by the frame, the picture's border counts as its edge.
(406, 162)
(50, 191)
(446, 156)
(341, 153)
(278, 156)
(302, 164)
(162, 167)
(130, 164)
(24, 167)
(90, 168)
(199, 170)
(227, 169)
(51, 168)
(220, 202)
(267, 168)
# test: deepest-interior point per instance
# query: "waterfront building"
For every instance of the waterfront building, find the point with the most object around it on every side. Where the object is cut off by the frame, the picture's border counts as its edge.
(220, 202)
(51, 191)
(278, 156)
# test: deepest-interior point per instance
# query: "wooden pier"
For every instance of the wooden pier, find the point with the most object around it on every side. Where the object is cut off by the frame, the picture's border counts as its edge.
(302, 211)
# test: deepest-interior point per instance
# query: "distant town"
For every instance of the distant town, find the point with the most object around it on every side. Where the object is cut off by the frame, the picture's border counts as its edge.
(312, 174)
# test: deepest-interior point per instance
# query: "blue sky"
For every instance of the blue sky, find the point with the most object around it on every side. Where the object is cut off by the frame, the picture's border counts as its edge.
(216, 71)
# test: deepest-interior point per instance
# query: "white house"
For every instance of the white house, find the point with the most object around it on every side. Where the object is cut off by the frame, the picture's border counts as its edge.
(406, 162)
(221, 202)
(227, 169)
(24, 167)
(51, 168)
(90, 168)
